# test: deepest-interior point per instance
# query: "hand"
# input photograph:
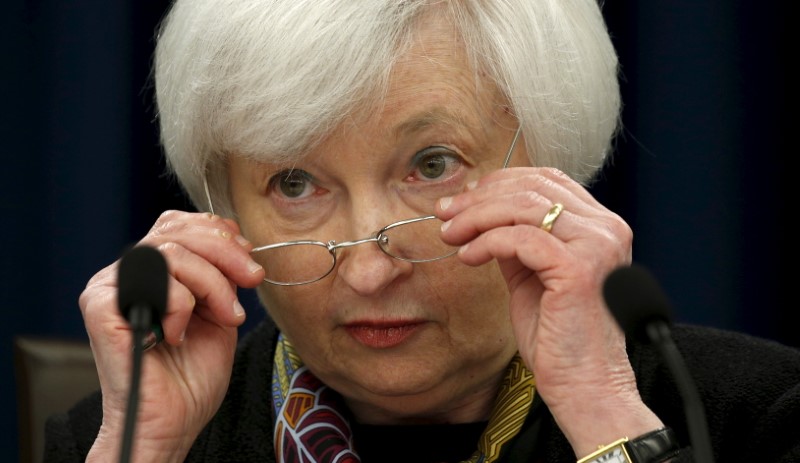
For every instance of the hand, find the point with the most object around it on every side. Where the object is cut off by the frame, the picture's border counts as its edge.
(563, 330)
(185, 378)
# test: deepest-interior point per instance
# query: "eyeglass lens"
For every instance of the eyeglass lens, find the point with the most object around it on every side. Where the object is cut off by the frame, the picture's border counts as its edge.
(295, 264)
(415, 240)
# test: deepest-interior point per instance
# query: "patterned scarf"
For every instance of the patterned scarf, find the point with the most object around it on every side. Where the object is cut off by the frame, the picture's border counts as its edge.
(310, 427)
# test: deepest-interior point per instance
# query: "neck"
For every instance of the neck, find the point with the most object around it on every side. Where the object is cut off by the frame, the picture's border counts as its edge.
(445, 407)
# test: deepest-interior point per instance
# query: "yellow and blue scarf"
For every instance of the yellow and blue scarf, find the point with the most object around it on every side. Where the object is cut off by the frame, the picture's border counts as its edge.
(310, 426)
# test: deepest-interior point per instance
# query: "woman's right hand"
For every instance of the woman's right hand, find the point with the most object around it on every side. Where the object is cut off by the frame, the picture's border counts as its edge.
(185, 378)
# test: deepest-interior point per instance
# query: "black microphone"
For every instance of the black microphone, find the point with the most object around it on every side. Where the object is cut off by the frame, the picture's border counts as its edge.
(142, 281)
(643, 312)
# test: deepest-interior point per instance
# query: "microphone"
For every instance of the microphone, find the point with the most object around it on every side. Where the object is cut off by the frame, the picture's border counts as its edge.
(643, 312)
(142, 281)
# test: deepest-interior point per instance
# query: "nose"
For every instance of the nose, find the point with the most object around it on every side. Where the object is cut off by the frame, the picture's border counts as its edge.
(366, 269)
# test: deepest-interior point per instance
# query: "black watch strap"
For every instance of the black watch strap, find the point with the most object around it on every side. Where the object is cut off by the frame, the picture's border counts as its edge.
(653, 447)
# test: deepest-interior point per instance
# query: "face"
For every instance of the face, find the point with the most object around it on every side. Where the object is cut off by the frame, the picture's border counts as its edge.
(402, 342)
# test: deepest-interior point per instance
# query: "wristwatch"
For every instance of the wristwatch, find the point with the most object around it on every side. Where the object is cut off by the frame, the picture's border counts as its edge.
(615, 452)
(653, 447)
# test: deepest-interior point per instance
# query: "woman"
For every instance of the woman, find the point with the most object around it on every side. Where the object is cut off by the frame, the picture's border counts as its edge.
(403, 184)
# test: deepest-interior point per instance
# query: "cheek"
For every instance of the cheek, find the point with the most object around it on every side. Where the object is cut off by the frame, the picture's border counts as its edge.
(247, 220)
(293, 309)
(477, 298)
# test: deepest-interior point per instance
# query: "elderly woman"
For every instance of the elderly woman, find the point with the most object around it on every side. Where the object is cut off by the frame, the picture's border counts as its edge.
(403, 183)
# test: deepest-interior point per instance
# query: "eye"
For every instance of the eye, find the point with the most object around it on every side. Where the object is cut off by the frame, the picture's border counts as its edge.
(292, 183)
(436, 162)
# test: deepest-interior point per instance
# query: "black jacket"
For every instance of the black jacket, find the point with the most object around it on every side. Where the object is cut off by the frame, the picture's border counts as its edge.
(750, 388)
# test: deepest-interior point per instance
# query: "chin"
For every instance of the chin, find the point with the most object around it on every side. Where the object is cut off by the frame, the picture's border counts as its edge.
(388, 377)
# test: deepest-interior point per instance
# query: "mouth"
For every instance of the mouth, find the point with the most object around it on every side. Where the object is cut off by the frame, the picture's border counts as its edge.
(382, 335)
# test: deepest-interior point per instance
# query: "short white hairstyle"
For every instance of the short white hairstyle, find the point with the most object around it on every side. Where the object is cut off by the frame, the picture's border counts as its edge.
(268, 79)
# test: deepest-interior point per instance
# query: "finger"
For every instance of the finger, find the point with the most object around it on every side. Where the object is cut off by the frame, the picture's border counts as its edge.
(98, 302)
(527, 244)
(550, 185)
(215, 239)
(544, 176)
(205, 282)
(595, 247)
(526, 208)
(180, 306)
(108, 331)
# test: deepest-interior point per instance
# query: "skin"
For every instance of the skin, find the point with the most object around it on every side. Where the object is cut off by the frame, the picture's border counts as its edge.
(511, 287)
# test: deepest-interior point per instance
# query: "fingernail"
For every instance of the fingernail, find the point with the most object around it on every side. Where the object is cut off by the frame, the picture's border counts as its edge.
(223, 233)
(242, 241)
(153, 337)
(253, 266)
(445, 226)
(238, 310)
(471, 185)
(463, 249)
(445, 202)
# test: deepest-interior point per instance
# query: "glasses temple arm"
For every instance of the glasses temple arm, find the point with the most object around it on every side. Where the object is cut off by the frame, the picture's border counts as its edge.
(208, 194)
(511, 148)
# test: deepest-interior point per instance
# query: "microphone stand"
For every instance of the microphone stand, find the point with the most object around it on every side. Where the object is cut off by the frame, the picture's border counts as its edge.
(140, 317)
(659, 335)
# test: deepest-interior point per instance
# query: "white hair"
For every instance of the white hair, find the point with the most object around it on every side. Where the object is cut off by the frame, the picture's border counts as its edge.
(269, 78)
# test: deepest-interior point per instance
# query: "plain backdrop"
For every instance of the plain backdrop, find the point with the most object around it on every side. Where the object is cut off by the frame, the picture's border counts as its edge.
(701, 170)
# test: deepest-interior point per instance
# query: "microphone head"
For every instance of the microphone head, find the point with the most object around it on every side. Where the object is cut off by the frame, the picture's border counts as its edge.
(142, 280)
(635, 299)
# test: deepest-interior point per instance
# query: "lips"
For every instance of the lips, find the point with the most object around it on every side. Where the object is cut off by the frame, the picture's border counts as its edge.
(382, 335)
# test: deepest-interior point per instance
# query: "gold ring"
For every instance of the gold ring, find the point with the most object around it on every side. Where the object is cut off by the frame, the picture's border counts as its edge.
(551, 216)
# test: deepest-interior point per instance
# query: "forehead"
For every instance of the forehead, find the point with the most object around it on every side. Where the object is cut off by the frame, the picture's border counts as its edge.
(433, 82)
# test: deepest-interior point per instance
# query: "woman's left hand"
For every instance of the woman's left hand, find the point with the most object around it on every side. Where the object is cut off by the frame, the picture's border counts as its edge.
(563, 329)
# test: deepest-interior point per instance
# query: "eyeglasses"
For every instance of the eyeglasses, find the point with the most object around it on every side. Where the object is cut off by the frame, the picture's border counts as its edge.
(300, 262)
